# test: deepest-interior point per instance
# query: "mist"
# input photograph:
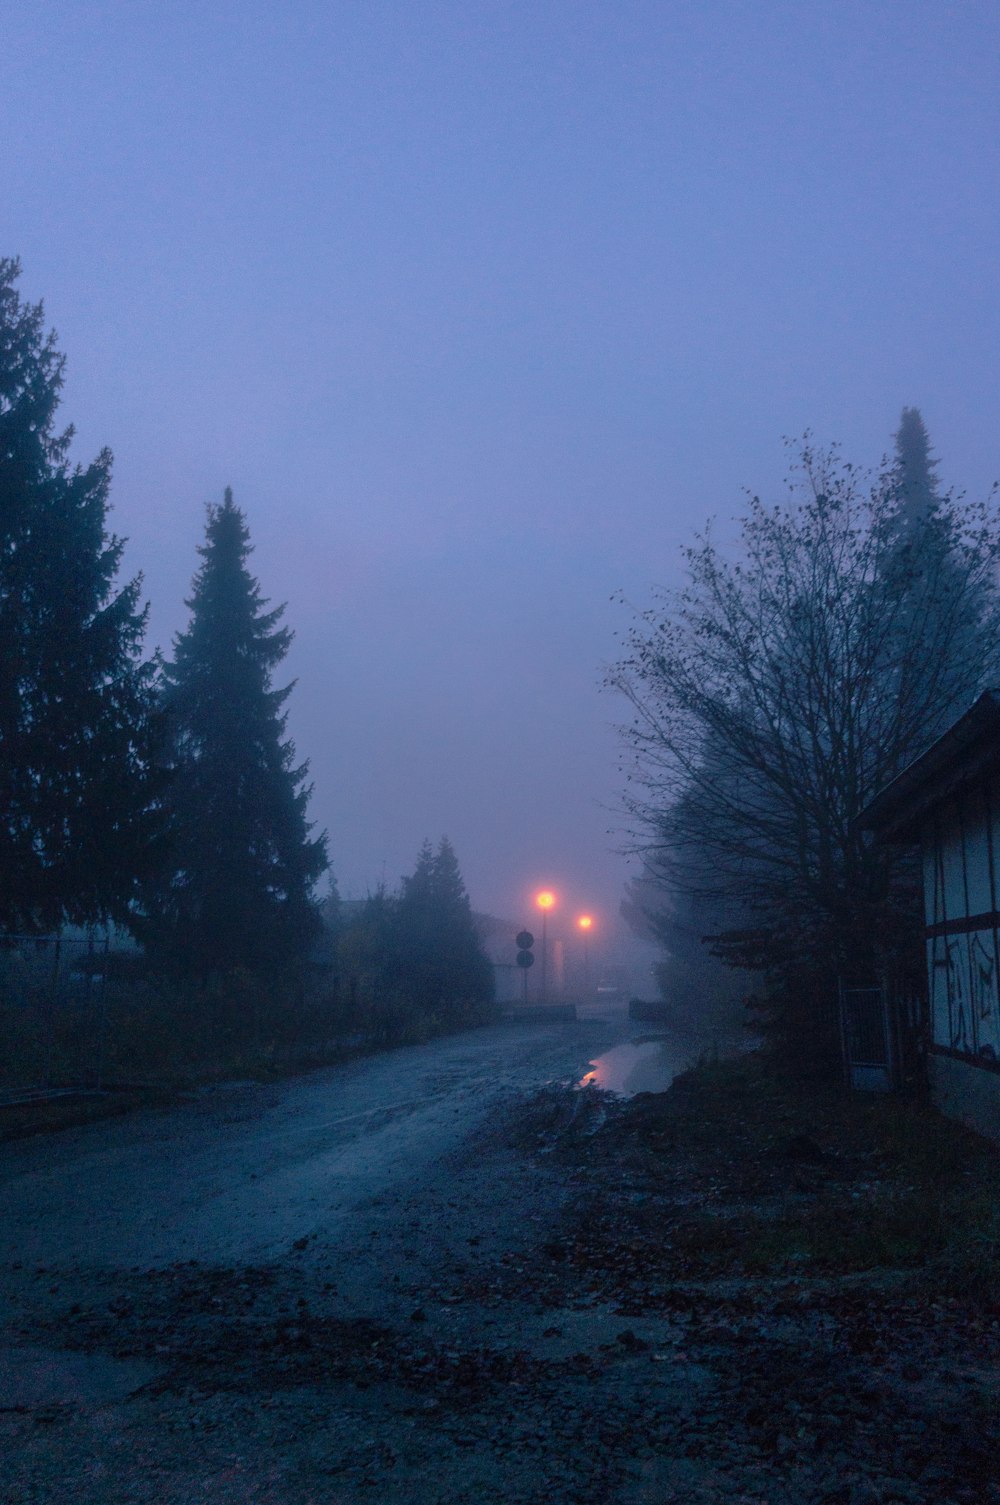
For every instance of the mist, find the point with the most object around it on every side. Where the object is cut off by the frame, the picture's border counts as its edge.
(481, 316)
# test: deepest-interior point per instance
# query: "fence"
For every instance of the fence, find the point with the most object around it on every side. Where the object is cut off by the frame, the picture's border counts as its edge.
(53, 1013)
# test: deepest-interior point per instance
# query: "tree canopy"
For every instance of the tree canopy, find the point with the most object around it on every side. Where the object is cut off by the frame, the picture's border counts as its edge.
(75, 696)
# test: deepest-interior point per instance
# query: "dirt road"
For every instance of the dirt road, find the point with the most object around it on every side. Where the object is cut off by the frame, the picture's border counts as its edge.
(431, 1278)
(292, 1293)
(244, 1170)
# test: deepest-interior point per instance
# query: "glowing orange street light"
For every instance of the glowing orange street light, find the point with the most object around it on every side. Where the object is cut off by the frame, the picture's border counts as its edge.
(545, 900)
(585, 924)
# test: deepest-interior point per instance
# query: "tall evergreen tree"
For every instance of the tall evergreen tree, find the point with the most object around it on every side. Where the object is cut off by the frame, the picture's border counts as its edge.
(916, 482)
(933, 601)
(440, 956)
(75, 697)
(242, 863)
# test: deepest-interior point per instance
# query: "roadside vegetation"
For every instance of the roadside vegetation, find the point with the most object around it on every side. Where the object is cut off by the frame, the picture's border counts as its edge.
(396, 969)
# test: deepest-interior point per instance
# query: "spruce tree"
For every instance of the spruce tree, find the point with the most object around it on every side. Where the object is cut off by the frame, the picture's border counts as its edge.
(75, 697)
(937, 600)
(443, 967)
(919, 498)
(242, 863)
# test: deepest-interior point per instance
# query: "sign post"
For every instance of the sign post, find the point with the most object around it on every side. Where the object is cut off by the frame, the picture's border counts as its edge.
(525, 958)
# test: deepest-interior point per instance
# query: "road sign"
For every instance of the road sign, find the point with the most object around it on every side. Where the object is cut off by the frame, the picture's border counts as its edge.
(525, 959)
(525, 940)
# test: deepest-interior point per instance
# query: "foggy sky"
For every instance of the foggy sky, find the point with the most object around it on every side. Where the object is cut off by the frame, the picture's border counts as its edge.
(482, 309)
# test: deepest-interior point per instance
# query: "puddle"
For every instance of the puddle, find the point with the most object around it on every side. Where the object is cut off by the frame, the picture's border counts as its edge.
(647, 1065)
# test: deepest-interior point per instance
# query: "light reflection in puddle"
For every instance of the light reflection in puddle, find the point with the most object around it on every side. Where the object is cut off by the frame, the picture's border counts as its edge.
(647, 1065)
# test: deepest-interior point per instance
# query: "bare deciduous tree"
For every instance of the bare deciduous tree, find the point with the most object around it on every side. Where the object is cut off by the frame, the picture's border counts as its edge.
(777, 691)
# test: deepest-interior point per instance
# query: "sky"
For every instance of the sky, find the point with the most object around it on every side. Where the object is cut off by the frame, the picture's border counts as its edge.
(482, 310)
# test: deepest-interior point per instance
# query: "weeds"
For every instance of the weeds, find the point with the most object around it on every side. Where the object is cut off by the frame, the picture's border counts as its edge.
(63, 1030)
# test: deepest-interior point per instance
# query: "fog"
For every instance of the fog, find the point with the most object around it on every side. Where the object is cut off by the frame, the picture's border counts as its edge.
(482, 311)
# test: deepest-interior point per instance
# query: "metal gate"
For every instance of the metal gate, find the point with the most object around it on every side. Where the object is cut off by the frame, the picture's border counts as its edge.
(867, 1039)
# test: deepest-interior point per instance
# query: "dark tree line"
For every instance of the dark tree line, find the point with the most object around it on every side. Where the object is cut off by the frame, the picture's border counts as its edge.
(437, 957)
(777, 691)
(165, 796)
(414, 958)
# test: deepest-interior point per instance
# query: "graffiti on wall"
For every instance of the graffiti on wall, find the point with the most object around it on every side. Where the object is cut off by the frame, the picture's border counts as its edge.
(966, 1004)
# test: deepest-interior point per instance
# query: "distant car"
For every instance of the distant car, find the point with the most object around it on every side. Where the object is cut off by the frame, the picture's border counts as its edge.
(613, 980)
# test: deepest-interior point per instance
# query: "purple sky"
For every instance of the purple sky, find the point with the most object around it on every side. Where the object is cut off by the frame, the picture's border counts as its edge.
(482, 309)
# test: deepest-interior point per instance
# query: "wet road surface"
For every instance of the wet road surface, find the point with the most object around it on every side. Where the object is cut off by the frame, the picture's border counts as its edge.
(238, 1254)
(246, 1169)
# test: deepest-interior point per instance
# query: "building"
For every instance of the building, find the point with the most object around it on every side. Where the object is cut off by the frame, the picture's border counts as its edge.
(948, 800)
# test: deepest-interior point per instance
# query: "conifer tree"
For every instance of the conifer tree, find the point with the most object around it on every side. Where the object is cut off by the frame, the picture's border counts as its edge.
(242, 863)
(917, 485)
(933, 600)
(75, 697)
(443, 966)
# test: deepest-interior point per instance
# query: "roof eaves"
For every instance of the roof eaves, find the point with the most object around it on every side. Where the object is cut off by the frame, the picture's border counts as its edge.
(969, 748)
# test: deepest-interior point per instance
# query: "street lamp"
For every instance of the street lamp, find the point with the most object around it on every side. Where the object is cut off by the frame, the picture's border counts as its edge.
(585, 924)
(545, 901)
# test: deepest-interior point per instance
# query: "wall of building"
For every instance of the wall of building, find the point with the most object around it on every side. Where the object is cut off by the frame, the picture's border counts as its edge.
(967, 1092)
(963, 940)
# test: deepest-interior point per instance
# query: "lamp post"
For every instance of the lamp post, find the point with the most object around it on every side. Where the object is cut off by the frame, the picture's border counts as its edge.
(545, 901)
(585, 924)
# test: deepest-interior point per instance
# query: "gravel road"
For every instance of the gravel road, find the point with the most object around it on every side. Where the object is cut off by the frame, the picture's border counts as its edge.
(288, 1294)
